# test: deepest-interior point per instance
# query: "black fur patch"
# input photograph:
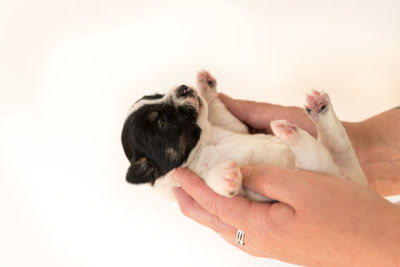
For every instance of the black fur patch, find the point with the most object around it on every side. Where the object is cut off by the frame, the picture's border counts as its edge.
(156, 146)
(151, 97)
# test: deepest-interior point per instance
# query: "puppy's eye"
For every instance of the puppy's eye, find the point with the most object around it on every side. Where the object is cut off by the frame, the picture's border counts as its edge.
(162, 122)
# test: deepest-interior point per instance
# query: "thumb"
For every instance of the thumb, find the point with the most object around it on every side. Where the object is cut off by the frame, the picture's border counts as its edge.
(283, 185)
(256, 115)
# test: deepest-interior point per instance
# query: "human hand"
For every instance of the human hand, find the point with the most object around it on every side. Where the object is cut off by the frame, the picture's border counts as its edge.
(258, 115)
(318, 220)
(376, 141)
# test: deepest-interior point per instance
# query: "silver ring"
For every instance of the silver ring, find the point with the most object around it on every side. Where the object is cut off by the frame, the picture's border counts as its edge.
(239, 237)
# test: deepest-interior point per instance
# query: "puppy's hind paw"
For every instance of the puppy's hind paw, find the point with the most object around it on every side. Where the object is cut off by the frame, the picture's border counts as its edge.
(286, 131)
(232, 178)
(317, 104)
(226, 179)
(206, 83)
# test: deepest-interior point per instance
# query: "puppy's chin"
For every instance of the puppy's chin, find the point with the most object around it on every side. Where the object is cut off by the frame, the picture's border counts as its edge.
(199, 103)
(194, 101)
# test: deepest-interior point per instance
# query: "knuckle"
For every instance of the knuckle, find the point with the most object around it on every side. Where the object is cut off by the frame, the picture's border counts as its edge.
(186, 209)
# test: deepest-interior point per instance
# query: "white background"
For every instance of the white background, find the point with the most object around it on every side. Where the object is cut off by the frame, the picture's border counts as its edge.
(69, 71)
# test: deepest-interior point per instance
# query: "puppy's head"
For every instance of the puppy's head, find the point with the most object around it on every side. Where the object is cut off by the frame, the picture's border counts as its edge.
(160, 132)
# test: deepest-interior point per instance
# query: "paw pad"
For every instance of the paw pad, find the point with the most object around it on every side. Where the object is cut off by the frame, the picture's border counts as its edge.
(316, 103)
(232, 178)
(204, 78)
(285, 130)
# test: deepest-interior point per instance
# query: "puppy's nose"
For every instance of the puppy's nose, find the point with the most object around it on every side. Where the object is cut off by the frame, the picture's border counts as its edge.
(184, 91)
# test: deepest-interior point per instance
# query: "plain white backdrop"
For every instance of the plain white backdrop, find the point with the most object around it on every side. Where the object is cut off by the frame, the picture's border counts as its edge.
(69, 71)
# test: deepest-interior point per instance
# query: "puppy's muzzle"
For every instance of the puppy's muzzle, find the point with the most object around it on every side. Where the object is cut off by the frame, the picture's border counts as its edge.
(184, 91)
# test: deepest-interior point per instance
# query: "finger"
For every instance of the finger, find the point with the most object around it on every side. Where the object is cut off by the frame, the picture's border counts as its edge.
(252, 113)
(233, 211)
(259, 115)
(292, 187)
(193, 210)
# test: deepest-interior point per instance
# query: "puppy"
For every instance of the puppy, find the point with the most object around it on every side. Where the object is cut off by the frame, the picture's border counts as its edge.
(193, 129)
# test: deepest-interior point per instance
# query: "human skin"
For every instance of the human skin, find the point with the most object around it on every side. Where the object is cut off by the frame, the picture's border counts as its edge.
(318, 220)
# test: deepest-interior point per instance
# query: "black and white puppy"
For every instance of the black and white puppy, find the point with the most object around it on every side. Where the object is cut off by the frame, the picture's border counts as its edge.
(186, 128)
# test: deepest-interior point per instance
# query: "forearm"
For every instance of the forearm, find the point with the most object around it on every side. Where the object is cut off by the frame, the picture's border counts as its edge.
(376, 142)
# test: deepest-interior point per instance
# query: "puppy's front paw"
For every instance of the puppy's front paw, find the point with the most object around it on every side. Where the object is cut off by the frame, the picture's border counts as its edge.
(318, 103)
(285, 131)
(206, 84)
(225, 179)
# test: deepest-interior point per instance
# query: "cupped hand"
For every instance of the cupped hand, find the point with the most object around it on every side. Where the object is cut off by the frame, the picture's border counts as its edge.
(258, 115)
(318, 220)
(376, 140)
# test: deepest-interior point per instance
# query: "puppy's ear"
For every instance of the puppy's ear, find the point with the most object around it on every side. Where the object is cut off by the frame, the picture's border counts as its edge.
(141, 171)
